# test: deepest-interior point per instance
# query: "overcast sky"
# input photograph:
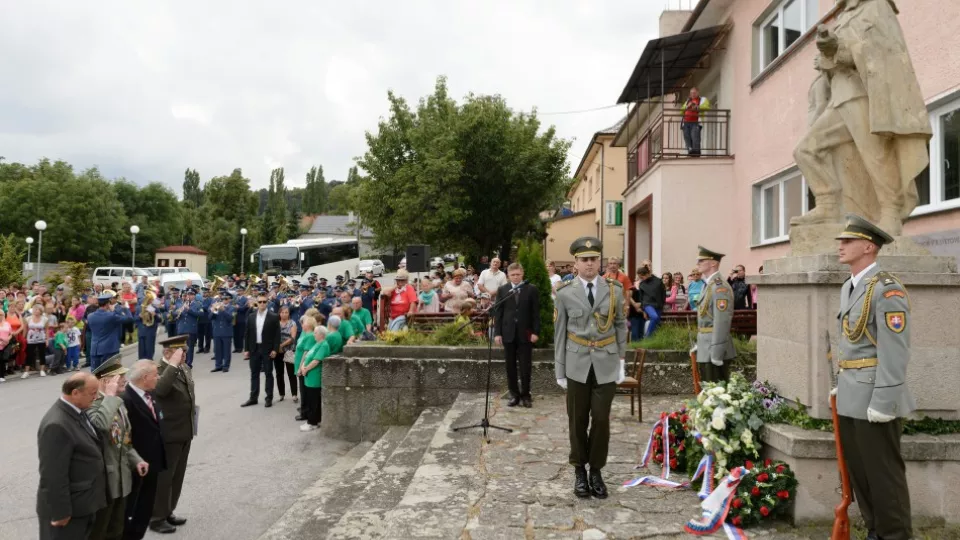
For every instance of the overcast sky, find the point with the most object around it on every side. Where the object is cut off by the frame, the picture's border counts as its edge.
(146, 90)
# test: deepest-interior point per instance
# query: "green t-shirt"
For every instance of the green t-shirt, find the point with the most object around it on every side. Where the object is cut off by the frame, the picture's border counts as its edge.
(60, 340)
(304, 344)
(363, 315)
(335, 340)
(314, 377)
(346, 330)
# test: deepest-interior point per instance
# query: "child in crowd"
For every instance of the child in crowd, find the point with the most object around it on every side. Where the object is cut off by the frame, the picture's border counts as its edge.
(60, 344)
(73, 343)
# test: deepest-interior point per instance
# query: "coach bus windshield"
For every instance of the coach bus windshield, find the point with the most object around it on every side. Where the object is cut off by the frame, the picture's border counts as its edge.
(285, 260)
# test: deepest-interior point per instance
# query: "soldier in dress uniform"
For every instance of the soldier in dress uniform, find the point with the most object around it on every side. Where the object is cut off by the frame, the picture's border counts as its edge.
(109, 416)
(204, 329)
(872, 394)
(188, 316)
(222, 323)
(171, 304)
(590, 344)
(242, 305)
(714, 346)
(106, 325)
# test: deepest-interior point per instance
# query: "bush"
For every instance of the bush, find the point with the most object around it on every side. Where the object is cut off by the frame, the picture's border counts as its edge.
(11, 260)
(535, 272)
(450, 335)
(680, 337)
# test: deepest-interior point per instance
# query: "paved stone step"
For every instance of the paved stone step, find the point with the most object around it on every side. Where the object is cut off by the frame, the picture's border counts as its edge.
(366, 516)
(449, 482)
(323, 504)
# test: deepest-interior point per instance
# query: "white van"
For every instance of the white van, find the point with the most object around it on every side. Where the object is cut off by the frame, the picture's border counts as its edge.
(179, 280)
(158, 271)
(107, 275)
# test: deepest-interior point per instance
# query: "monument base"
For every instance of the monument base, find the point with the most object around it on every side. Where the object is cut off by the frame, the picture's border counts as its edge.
(820, 238)
(799, 299)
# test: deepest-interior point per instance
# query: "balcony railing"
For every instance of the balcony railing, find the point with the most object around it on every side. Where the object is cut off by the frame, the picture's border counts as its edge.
(664, 140)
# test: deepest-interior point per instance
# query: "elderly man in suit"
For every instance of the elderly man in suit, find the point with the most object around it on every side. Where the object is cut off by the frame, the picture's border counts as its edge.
(146, 421)
(263, 345)
(175, 392)
(517, 328)
(72, 471)
(106, 326)
(590, 344)
(109, 415)
(872, 393)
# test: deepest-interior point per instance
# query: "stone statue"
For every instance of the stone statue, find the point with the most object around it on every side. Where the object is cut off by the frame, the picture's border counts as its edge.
(868, 123)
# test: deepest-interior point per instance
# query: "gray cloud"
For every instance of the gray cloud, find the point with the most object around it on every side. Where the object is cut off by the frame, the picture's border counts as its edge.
(145, 91)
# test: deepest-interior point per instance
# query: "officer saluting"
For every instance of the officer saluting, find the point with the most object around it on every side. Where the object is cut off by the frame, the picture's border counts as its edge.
(872, 394)
(714, 316)
(590, 343)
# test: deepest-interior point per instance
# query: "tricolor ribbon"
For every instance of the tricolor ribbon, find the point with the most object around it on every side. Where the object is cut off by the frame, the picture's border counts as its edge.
(716, 507)
(704, 470)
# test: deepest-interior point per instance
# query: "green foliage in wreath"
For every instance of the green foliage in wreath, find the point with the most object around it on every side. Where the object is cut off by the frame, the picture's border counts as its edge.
(764, 493)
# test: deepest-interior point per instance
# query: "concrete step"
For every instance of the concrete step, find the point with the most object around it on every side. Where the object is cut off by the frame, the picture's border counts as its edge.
(447, 486)
(323, 504)
(366, 516)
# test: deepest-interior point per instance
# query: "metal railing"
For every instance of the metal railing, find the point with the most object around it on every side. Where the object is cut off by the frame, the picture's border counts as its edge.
(664, 139)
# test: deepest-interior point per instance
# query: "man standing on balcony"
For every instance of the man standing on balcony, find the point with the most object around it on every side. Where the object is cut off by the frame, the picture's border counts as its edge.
(691, 120)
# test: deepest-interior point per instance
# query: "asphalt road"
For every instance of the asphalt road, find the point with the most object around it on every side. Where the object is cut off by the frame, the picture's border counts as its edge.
(246, 467)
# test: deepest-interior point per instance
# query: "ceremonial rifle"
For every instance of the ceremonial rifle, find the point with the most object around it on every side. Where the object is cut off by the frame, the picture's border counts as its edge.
(841, 521)
(693, 359)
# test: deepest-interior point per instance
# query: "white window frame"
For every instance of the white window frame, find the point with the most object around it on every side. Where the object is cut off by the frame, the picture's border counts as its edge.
(776, 13)
(780, 181)
(937, 203)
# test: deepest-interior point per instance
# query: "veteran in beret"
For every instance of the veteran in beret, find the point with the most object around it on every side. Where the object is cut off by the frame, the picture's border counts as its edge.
(109, 416)
(590, 341)
(872, 394)
(714, 348)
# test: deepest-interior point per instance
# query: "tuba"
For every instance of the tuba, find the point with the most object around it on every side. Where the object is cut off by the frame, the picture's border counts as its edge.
(254, 280)
(146, 316)
(218, 282)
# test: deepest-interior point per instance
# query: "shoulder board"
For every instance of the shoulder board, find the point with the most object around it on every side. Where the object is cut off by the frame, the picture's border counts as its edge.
(718, 280)
(887, 279)
(614, 282)
(564, 284)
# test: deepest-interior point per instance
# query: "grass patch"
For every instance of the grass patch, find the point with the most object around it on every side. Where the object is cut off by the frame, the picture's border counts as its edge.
(680, 337)
(452, 335)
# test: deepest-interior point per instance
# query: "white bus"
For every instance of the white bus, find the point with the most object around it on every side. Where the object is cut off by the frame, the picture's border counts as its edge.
(297, 259)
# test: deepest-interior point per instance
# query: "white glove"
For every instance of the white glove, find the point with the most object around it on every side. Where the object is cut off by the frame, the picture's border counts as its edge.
(623, 373)
(562, 383)
(693, 350)
(151, 309)
(716, 362)
(834, 391)
(876, 417)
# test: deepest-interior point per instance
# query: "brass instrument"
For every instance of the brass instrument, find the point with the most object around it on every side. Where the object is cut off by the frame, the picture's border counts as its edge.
(254, 280)
(284, 284)
(218, 282)
(146, 316)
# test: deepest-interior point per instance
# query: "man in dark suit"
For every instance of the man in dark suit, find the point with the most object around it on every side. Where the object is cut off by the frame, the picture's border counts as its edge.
(517, 328)
(146, 431)
(73, 479)
(175, 392)
(106, 325)
(263, 344)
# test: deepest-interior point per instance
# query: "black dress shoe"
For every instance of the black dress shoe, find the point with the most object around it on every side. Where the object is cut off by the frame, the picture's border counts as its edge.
(268, 403)
(300, 418)
(248, 403)
(581, 488)
(226, 370)
(176, 520)
(162, 527)
(597, 488)
(281, 399)
(514, 401)
(216, 369)
(527, 402)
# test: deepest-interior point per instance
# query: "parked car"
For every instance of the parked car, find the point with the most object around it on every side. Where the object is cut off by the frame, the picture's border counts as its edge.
(179, 280)
(436, 261)
(372, 265)
(450, 257)
(160, 270)
(107, 275)
(403, 263)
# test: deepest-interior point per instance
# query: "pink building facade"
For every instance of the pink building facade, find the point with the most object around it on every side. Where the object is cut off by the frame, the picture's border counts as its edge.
(753, 59)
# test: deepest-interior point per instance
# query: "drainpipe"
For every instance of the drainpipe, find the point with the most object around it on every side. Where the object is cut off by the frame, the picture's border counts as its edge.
(603, 203)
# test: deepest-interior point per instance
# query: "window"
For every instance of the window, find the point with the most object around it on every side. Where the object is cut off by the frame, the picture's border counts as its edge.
(776, 202)
(783, 27)
(598, 177)
(590, 189)
(938, 186)
(613, 213)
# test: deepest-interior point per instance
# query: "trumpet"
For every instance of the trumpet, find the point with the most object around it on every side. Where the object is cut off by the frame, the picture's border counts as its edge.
(216, 307)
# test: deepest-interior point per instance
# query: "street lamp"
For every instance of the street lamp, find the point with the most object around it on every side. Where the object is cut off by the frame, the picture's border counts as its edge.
(243, 245)
(29, 245)
(41, 226)
(134, 230)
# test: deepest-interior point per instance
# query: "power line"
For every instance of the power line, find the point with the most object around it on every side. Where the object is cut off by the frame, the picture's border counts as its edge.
(577, 112)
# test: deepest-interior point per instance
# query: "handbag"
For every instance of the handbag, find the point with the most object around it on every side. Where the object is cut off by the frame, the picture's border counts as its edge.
(288, 356)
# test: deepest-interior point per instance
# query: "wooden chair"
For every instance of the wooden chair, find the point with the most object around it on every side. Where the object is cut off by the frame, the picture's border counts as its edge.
(632, 384)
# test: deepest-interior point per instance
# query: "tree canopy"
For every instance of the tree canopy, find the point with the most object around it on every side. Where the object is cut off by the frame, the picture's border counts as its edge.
(468, 177)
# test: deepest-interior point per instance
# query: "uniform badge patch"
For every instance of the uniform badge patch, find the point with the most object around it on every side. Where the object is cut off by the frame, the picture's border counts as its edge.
(896, 321)
(894, 292)
(722, 290)
(722, 304)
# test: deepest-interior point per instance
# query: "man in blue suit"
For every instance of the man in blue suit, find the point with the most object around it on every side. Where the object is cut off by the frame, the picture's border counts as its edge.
(204, 330)
(240, 323)
(171, 304)
(188, 316)
(222, 332)
(105, 325)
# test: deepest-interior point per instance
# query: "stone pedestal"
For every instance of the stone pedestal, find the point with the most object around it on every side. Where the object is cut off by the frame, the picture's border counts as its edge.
(799, 301)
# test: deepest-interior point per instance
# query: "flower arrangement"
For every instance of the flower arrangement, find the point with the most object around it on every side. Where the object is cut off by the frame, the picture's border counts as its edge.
(675, 439)
(764, 492)
(728, 416)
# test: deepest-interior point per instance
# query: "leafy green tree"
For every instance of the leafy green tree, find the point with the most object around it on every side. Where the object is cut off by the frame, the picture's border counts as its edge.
(192, 193)
(153, 208)
(275, 217)
(464, 177)
(293, 224)
(228, 206)
(315, 192)
(535, 271)
(12, 253)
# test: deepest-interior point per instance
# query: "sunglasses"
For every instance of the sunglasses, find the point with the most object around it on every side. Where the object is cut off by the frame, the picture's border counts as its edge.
(261, 301)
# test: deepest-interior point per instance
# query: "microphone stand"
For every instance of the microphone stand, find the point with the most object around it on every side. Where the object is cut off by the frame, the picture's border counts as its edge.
(485, 421)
